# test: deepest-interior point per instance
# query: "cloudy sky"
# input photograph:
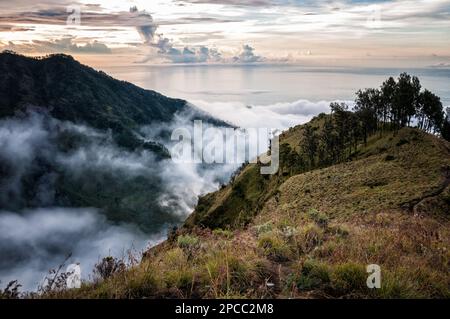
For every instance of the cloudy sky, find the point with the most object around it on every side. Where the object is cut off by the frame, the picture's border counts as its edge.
(323, 32)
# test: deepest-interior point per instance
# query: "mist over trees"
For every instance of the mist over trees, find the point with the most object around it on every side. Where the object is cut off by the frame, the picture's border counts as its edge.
(396, 104)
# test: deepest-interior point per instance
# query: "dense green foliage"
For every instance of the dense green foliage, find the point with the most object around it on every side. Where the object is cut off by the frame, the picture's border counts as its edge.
(73, 92)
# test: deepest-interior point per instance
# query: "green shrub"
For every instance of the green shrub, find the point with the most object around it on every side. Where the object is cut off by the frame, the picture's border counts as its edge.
(414, 283)
(313, 275)
(176, 269)
(326, 250)
(339, 230)
(187, 241)
(140, 286)
(274, 247)
(320, 218)
(264, 228)
(174, 258)
(349, 278)
(180, 278)
(393, 286)
(223, 233)
(228, 274)
(241, 272)
(137, 282)
(309, 237)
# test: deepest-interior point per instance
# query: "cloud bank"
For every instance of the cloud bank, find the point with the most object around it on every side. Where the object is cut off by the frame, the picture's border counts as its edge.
(37, 232)
(36, 240)
(279, 115)
(247, 55)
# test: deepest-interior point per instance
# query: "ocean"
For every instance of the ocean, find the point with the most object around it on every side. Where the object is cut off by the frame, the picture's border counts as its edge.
(269, 84)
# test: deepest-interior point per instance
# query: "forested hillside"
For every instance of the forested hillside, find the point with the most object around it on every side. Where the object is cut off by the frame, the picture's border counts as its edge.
(71, 136)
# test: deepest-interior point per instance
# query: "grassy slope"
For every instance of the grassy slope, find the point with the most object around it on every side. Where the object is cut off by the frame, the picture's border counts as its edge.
(313, 234)
(237, 203)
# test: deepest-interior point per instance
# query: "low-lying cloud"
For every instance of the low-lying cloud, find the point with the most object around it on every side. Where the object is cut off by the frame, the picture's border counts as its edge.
(279, 115)
(247, 55)
(34, 241)
(36, 232)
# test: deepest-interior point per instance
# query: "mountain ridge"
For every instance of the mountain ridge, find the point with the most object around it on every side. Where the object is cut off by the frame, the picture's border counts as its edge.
(313, 234)
(71, 91)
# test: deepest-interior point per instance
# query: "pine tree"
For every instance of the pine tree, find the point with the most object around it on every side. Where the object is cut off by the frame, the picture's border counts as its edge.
(328, 141)
(366, 110)
(310, 144)
(405, 100)
(430, 112)
(387, 100)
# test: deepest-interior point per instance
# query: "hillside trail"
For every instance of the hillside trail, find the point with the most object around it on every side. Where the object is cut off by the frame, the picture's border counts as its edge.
(414, 204)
